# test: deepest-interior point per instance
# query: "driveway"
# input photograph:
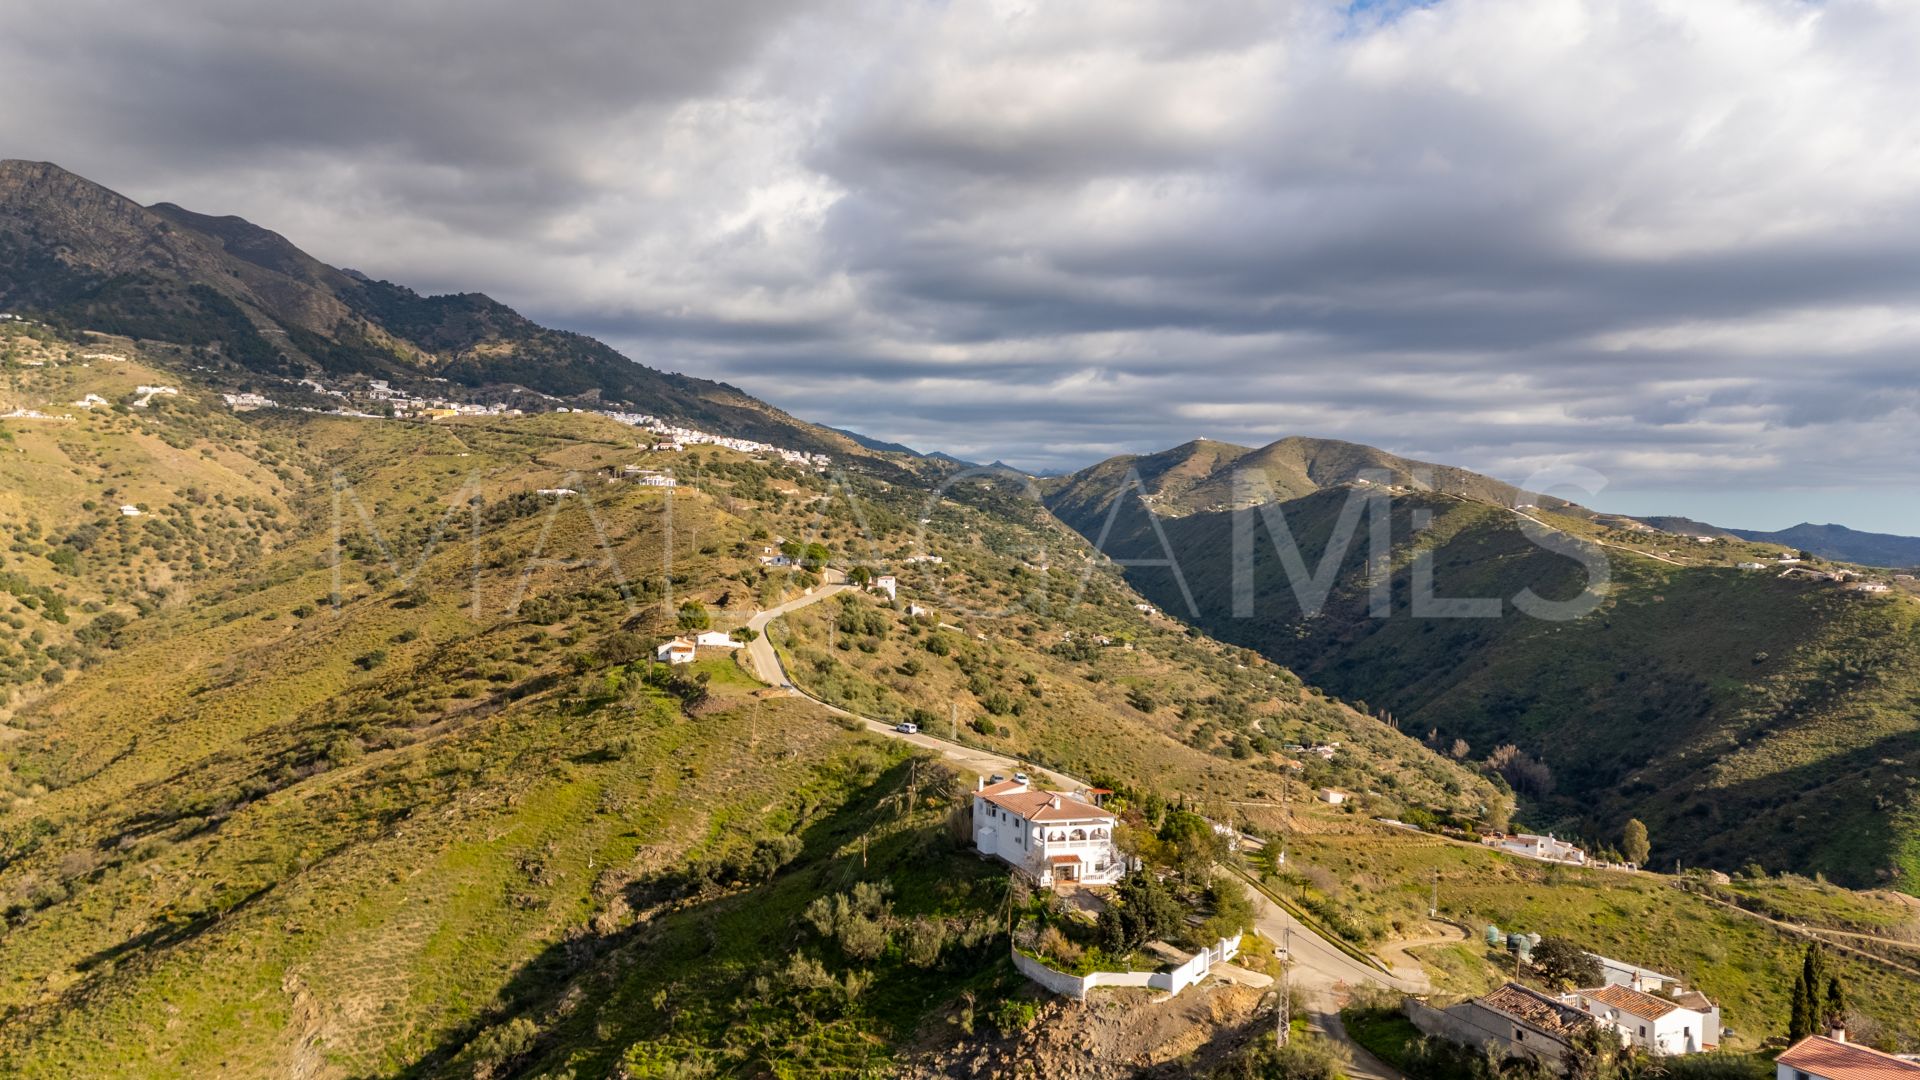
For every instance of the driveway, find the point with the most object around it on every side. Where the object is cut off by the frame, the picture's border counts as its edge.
(1320, 974)
(765, 661)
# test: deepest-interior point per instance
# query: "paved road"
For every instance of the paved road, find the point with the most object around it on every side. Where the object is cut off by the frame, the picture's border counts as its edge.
(765, 659)
(1320, 973)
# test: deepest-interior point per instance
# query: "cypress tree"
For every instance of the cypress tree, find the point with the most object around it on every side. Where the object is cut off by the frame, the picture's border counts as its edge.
(1799, 1022)
(1815, 996)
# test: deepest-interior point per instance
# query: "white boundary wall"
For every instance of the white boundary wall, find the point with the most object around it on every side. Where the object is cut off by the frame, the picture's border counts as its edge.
(1076, 986)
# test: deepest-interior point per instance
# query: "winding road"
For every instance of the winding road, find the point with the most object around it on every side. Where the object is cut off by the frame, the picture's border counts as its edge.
(1320, 973)
(765, 661)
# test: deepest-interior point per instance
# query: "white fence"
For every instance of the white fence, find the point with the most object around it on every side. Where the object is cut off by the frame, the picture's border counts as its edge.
(1174, 981)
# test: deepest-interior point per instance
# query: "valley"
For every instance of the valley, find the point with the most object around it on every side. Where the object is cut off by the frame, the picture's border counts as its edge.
(352, 740)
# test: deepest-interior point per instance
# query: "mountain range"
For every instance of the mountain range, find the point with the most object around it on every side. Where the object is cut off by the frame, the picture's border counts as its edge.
(1836, 542)
(81, 256)
(334, 746)
(1745, 716)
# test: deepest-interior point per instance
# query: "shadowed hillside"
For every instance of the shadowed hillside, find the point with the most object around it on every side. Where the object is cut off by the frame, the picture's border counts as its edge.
(1745, 717)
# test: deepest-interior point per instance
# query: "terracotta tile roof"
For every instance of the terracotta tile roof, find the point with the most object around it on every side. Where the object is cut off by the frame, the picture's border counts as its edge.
(1627, 999)
(1039, 805)
(996, 789)
(1536, 1010)
(1063, 858)
(1821, 1056)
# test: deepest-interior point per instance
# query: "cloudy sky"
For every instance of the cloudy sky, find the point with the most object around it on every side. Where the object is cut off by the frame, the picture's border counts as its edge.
(1673, 241)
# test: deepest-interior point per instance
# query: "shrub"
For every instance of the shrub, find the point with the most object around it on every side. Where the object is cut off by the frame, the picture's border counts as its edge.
(1014, 1015)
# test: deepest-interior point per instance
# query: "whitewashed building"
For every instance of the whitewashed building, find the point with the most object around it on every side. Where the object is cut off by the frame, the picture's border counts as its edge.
(1633, 977)
(1051, 836)
(1539, 847)
(1653, 1024)
(677, 651)
(715, 639)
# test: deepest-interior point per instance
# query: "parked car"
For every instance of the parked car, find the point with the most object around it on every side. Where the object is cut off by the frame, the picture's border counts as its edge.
(1021, 777)
(907, 728)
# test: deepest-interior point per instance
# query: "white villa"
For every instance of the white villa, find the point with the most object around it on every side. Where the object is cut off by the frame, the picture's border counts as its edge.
(886, 583)
(677, 651)
(1051, 835)
(1653, 1024)
(715, 639)
(1539, 847)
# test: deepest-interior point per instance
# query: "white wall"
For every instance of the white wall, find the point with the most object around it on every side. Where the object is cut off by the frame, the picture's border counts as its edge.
(1195, 969)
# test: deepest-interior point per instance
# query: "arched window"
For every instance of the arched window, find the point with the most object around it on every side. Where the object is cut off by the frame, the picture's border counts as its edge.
(1078, 834)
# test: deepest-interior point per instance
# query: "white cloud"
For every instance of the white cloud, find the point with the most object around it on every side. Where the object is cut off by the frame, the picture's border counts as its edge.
(1666, 239)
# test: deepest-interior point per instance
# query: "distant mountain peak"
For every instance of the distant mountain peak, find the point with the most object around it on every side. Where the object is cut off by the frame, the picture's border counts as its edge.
(81, 255)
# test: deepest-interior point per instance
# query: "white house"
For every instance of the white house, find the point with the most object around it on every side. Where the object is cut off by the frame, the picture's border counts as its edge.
(676, 651)
(1822, 1057)
(1050, 835)
(1646, 980)
(715, 639)
(1868, 586)
(130, 511)
(885, 583)
(1653, 1024)
(1332, 796)
(1539, 847)
(648, 477)
(918, 610)
(1753, 566)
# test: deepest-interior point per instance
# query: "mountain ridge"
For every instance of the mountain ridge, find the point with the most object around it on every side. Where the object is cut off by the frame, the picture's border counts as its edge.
(82, 256)
(1718, 704)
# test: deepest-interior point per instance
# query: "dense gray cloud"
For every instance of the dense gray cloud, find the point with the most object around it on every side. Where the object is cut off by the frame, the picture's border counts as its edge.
(1676, 241)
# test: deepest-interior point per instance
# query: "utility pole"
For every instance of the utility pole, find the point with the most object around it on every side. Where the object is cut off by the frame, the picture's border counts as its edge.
(953, 717)
(1435, 909)
(1283, 1012)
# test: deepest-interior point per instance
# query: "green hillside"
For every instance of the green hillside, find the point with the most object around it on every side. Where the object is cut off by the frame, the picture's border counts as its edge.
(265, 833)
(1370, 876)
(1745, 717)
(341, 751)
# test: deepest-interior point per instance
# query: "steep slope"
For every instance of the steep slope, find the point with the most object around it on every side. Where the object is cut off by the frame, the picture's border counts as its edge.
(403, 794)
(1745, 717)
(335, 811)
(117, 503)
(81, 256)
